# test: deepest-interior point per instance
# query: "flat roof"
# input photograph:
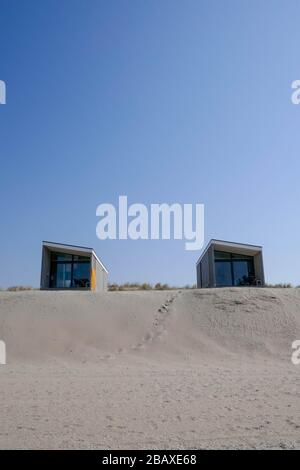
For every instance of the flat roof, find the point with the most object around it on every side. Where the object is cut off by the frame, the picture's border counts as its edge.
(77, 248)
(225, 244)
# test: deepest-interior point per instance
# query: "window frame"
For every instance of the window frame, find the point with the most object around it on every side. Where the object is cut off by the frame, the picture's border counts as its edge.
(54, 263)
(232, 258)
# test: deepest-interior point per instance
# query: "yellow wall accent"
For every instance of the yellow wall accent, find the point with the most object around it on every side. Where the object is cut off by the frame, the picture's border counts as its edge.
(93, 279)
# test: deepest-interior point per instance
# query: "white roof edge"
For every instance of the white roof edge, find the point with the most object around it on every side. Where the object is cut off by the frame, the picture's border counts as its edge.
(101, 264)
(227, 243)
(78, 248)
(68, 247)
(203, 252)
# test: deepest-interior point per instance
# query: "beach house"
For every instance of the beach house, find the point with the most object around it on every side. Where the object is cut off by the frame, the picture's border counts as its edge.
(224, 263)
(71, 267)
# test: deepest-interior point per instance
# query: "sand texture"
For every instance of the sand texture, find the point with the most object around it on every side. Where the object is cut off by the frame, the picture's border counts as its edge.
(189, 369)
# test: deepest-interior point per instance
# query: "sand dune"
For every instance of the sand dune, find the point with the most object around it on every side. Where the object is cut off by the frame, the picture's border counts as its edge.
(182, 369)
(196, 323)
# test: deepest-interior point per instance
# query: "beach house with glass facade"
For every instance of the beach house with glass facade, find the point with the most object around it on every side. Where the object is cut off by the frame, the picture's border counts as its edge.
(71, 267)
(224, 264)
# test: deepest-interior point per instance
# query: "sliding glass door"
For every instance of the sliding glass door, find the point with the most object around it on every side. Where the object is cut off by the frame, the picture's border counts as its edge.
(242, 272)
(63, 275)
(232, 269)
(223, 273)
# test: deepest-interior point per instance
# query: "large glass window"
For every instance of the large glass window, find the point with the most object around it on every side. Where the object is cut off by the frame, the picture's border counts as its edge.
(63, 275)
(222, 255)
(69, 271)
(223, 273)
(61, 257)
(233, 269)
(81, 274)
(241, 273)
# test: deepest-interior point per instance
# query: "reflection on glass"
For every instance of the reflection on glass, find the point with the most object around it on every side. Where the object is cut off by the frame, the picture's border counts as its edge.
(69, 271)
(81, 275)
(222, 255)
(238, 256)
(223, 273)
(241, 273)
(81, 258)
(63, 275)
(61, 257)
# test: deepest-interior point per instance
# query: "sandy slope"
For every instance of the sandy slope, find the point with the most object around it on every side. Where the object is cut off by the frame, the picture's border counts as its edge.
(177, 369)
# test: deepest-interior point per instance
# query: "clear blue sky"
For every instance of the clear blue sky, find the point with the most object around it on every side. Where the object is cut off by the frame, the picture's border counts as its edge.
(165, 101)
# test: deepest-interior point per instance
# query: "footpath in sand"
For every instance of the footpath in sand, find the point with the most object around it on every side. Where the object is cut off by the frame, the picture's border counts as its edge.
(172, 369)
